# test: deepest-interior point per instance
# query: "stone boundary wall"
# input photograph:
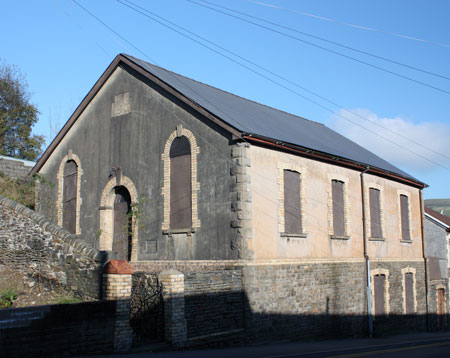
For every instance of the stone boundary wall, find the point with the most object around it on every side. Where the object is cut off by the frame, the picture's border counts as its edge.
(215, 297)
(28, 241)
(58, 330)
(15, 168)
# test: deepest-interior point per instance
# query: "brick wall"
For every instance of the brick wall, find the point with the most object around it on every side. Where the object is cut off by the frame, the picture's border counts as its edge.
(57, 330)
(31, 243)
(15, 168)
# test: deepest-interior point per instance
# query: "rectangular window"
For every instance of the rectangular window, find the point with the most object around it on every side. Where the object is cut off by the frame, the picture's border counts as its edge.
(375, 213)
(379, 285)
(409, 292)
(337, 191)
(292, 207)
(404, 211)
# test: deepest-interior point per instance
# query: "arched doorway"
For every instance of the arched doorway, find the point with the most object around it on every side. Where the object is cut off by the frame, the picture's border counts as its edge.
(123, 225)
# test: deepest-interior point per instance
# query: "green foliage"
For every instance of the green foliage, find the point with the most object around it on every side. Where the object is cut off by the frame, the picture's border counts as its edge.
(7, 298)
(20, 190)
(41, 179)
(17, 116)
(137, 208)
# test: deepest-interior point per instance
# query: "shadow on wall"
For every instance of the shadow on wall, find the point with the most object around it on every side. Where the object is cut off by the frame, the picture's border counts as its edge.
(225, 318)
(58, 330)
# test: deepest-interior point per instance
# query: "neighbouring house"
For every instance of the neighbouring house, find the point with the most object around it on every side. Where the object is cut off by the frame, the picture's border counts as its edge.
(278, 224)
(437, 242)
(441, 206)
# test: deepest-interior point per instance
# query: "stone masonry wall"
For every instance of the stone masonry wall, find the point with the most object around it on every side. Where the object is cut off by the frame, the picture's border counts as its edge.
(31, 243)
(305, 300)
(15, 168)
(215, 297)
(397, 321)
(325, 300)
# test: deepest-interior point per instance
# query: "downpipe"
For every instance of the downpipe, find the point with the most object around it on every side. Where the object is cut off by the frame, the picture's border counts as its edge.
(366, 257)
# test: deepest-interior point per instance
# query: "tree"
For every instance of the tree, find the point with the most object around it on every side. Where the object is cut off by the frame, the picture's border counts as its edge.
(17, 116)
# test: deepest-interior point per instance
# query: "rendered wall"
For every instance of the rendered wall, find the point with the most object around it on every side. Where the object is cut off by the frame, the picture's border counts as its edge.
(266, 171)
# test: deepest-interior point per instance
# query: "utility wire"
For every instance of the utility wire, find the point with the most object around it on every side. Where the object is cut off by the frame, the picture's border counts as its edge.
(283, 86)
(351, 25)
(334, 43)
(272, 73)
(313, 44)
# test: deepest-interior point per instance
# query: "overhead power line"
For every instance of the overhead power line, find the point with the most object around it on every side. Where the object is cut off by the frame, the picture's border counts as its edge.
(335, 43)
(309, 43)
(367, 28)
(149, 14)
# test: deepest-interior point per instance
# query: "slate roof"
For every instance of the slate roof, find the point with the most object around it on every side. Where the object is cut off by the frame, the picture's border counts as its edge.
(254, 118)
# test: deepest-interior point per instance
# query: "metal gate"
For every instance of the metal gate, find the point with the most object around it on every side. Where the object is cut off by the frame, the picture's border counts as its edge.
(146, 314)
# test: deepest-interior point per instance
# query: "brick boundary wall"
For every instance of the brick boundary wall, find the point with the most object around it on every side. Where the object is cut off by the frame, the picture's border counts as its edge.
(117, 284)
(28, 241)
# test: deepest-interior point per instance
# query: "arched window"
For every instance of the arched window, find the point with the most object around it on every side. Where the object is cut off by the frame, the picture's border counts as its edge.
(69, 213)
(180, 184)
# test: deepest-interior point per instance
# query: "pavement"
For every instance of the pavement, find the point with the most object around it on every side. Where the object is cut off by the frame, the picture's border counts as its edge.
(424, 344)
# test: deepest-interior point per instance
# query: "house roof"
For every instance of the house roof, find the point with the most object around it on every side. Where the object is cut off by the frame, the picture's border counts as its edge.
(251, 120)
(444, 220)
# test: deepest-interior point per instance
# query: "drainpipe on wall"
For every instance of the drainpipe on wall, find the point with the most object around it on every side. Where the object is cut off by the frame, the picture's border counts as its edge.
(422, 218)
(366, 256)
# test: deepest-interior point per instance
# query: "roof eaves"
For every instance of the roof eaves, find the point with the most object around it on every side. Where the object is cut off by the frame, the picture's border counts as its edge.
(280, 145)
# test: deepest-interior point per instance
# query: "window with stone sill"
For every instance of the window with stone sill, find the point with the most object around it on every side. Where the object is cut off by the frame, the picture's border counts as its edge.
(292, 204)
(376, 231)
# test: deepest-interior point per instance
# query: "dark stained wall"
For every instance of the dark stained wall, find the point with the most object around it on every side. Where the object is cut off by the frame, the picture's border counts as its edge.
(135, 142)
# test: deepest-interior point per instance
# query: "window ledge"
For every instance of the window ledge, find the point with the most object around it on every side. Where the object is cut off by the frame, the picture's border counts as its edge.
(377, 239)
(170, 232)
(298, 235)
(339, 237)
(406, 241)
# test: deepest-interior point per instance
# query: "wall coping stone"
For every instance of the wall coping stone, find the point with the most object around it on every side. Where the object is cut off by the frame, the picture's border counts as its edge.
(54, 229)
(118, 267)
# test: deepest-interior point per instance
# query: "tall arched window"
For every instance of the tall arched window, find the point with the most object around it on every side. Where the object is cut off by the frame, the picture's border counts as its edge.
(69, 213)
(180, 184)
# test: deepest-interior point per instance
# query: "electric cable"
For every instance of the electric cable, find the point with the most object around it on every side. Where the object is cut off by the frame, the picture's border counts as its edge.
(318, 46)
(360, 27)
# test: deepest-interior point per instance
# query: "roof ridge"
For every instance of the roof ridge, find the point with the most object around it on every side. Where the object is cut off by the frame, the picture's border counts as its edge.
(224, 91)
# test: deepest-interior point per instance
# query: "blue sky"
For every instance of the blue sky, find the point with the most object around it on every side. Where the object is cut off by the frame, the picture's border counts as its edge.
(63, 51)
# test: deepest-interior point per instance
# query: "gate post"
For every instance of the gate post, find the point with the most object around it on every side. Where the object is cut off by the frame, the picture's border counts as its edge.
(117, 287)
(173, 297)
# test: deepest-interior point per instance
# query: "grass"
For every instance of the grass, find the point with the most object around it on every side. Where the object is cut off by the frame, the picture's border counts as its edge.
(7, 298)
(20, 190)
